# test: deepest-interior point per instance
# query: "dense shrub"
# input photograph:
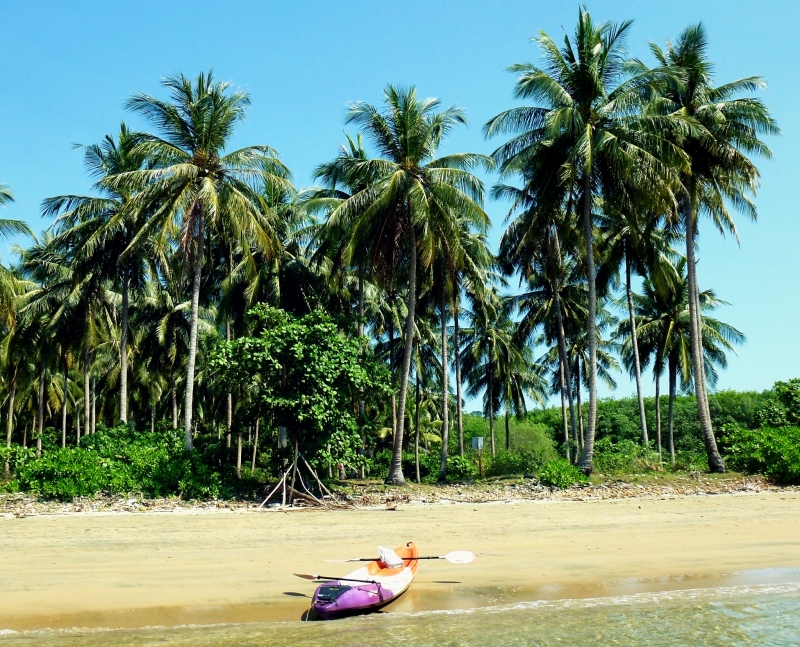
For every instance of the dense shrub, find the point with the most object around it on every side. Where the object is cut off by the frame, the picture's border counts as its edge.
(772, 451)
(117, 461)
(561, 473)
(624, 457)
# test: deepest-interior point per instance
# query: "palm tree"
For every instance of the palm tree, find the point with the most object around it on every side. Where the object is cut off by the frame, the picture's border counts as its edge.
(108, 229)
(719, 168)
(636, 239)
(663, 318)
(487, 341)
(195, 187)
(409, 206)
(591, 124)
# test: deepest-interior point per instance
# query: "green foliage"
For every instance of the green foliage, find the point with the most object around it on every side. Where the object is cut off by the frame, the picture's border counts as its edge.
(118, 461)
(306, 375)
(461, 468)
(772, 451)
(561, 473)
(624, 457)
(789, 396)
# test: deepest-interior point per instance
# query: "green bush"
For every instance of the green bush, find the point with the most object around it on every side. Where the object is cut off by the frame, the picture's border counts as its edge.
(561, 473)
(624, 457)
(772, 451)
(118, 461)
(460, 467)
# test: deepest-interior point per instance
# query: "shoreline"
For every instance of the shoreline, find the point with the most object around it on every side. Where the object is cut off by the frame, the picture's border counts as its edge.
(112, 570)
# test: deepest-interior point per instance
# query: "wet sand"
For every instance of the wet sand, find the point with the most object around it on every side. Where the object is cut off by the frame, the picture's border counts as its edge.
(133, 570)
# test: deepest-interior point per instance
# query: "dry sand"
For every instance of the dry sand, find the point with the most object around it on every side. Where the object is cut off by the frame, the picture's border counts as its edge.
(129, 570)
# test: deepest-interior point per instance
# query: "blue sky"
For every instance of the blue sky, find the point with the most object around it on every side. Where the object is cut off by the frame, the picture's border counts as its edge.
(68, 68)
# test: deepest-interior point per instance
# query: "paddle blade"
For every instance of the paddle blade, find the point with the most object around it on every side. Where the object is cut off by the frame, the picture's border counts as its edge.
(342, 561)
(460, 557)
(306, 576)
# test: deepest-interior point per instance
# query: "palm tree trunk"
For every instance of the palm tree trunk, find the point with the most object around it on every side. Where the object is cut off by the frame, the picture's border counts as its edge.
(41, 412)
(239, 454)
(255, 447)
(77, 428)
(152, 418)
(193, 321)
(87, 393)
(578, 396)
(491, 406)
(174, 398)
(673, 378)
(445, 386)
(229, 395)
(586, 463)
(361, 334)
(10, 422)
(94, 404)
(457, 360)
(658, 414)
(416, 429)
(715, 462)
(563, 390)
(635, 345)
(562, 340)
(508, 432)
(396, 473)
(64, 409)
(123, 351)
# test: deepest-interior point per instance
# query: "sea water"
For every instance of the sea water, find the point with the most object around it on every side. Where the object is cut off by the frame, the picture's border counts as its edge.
(746, 615)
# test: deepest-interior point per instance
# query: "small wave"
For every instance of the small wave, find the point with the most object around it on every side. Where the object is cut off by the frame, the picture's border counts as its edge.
(704, 594)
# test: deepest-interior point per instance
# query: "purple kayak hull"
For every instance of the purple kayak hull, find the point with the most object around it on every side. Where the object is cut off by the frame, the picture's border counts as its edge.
(334, 600)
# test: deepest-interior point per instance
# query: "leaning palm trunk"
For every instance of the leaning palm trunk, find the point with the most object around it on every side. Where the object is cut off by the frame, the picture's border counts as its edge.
(715, 463)
(396, 472)
(635, 345)
(445, 387)
(10, 422)
(94, 404)
(508, 432)
(123, 350)
(255, 448)
(581, 436)
(587, 455)
(193, 322)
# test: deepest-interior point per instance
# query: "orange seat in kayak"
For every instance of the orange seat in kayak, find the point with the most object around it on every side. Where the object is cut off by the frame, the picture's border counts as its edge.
(377, 568)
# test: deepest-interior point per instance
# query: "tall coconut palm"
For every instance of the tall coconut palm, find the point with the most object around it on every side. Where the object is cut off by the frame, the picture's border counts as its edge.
(665, 332)
(590, 117)
(413, 195)
(108, 229)
(636, 239)
(719, 171)
(195, 186)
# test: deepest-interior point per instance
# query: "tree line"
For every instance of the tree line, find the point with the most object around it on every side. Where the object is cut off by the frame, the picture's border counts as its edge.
(608, 164)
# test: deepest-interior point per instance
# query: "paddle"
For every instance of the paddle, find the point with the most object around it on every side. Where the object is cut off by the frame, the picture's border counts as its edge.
(337, 579)
(454, 557)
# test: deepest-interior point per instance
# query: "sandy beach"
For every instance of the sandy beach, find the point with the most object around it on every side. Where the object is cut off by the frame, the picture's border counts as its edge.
(133, 570)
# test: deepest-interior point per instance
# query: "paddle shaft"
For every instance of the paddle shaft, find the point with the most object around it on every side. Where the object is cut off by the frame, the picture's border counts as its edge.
(336, 579)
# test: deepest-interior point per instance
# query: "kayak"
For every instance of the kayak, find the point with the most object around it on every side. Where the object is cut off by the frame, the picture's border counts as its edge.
(367, 588)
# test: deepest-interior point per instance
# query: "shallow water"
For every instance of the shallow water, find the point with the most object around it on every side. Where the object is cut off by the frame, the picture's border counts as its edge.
(746, 615)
